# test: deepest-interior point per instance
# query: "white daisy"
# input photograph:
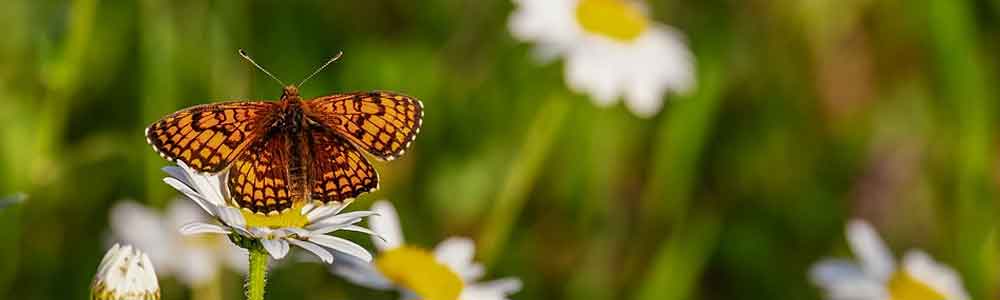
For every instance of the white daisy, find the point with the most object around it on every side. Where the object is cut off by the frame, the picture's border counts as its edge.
(305, 225)
(125, 274)
(876, 277)
(195, 261)
(612, 49)
(446, 274)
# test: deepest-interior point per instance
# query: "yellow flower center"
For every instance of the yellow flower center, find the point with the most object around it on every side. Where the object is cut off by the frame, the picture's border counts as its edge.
(615, 19)
(902, 286)
(418, 270)
(289, 218)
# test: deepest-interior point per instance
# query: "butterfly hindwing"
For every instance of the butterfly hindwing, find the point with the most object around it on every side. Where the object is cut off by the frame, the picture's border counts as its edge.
(380, 123)
(337, 171)
(208, 138)
(259, 179)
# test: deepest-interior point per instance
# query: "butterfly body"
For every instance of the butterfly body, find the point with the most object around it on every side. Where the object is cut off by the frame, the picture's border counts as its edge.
(290, 151)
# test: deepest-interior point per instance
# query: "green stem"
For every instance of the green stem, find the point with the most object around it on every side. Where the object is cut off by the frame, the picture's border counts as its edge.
(257, 278)
(518, 182)
(671, 189)
(966, 84)
(158, 57)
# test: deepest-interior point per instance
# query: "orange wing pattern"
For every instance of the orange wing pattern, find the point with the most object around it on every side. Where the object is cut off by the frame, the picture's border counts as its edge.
(259, 181)
(337, 171)
(381, 123)
(209, 137)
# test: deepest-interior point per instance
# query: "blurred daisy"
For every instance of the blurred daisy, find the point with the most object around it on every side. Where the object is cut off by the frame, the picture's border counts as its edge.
(305, 225)
(125, 274)
(448, 273)
(611, 47)
(876, 277)
(194, 260)
(12, 200)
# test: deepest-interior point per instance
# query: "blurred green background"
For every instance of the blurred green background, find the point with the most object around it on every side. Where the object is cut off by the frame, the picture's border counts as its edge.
(806, 113)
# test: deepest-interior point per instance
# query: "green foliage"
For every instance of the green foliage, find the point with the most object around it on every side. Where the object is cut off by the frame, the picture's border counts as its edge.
(807, 113)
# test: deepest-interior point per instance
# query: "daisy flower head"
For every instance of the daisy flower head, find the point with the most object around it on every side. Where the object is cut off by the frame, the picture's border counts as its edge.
(305, 225)
(194, 260)
(125, 273)
(611, 49)
(446, 273)
(875, 275)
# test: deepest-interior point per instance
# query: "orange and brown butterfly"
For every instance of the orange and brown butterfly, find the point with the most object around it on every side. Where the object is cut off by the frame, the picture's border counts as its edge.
(278, 154)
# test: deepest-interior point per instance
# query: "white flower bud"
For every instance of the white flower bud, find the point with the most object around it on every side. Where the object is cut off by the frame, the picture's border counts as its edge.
(125, 274)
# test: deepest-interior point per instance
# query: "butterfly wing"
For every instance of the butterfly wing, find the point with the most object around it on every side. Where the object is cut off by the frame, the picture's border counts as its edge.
(208, 138)
(259, 178)
(338, 171)
(381, 123)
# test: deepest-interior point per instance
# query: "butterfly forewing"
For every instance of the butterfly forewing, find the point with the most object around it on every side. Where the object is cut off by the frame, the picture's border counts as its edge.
(380, 123)
(338, 171)
(208, 138)
(259, 179)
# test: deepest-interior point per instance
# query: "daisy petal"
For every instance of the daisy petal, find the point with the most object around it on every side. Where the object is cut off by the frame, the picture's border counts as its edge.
(359, 272)
(842, 279)
(343, 205)
(320, 212)
(345, 218)
(342, 245)
(191, 194)
(210, 186)
(549, 23)
(829, 272)
(288, 231)
(457, 254)
(504, 285)
(360, 229)
(324, 255)
(678, 63)
(277, 248)
(940, 277)
(199, 228)
(307, 208)
(326, 229)
(387, 225)
(871, 250)
(232, 217)
(112, 255)
(177, 172)
(491, 290)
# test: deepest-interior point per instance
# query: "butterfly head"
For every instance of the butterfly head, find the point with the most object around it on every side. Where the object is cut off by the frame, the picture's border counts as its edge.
(290, 93)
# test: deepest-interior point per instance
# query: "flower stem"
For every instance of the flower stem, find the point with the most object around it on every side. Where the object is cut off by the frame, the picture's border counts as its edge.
(516, 186)
(257, 278)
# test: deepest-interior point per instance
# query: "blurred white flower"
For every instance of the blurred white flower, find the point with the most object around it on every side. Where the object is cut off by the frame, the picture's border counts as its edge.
(125, 274)
(305, 225)
(193, 260)
(446, 274)
(876, 277)
(611, 47)
(12, 200)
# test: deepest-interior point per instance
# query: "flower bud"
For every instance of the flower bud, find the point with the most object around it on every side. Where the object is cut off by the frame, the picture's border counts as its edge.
(125, 274)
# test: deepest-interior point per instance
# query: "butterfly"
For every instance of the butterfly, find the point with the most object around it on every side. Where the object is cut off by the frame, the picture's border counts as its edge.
(282, 153)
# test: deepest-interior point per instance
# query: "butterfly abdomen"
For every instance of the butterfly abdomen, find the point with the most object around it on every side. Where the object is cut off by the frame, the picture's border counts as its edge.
(292, 124)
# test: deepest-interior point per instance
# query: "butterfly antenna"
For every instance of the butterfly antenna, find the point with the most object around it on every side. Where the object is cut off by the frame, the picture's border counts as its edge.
(328, 62)
(247, 57)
